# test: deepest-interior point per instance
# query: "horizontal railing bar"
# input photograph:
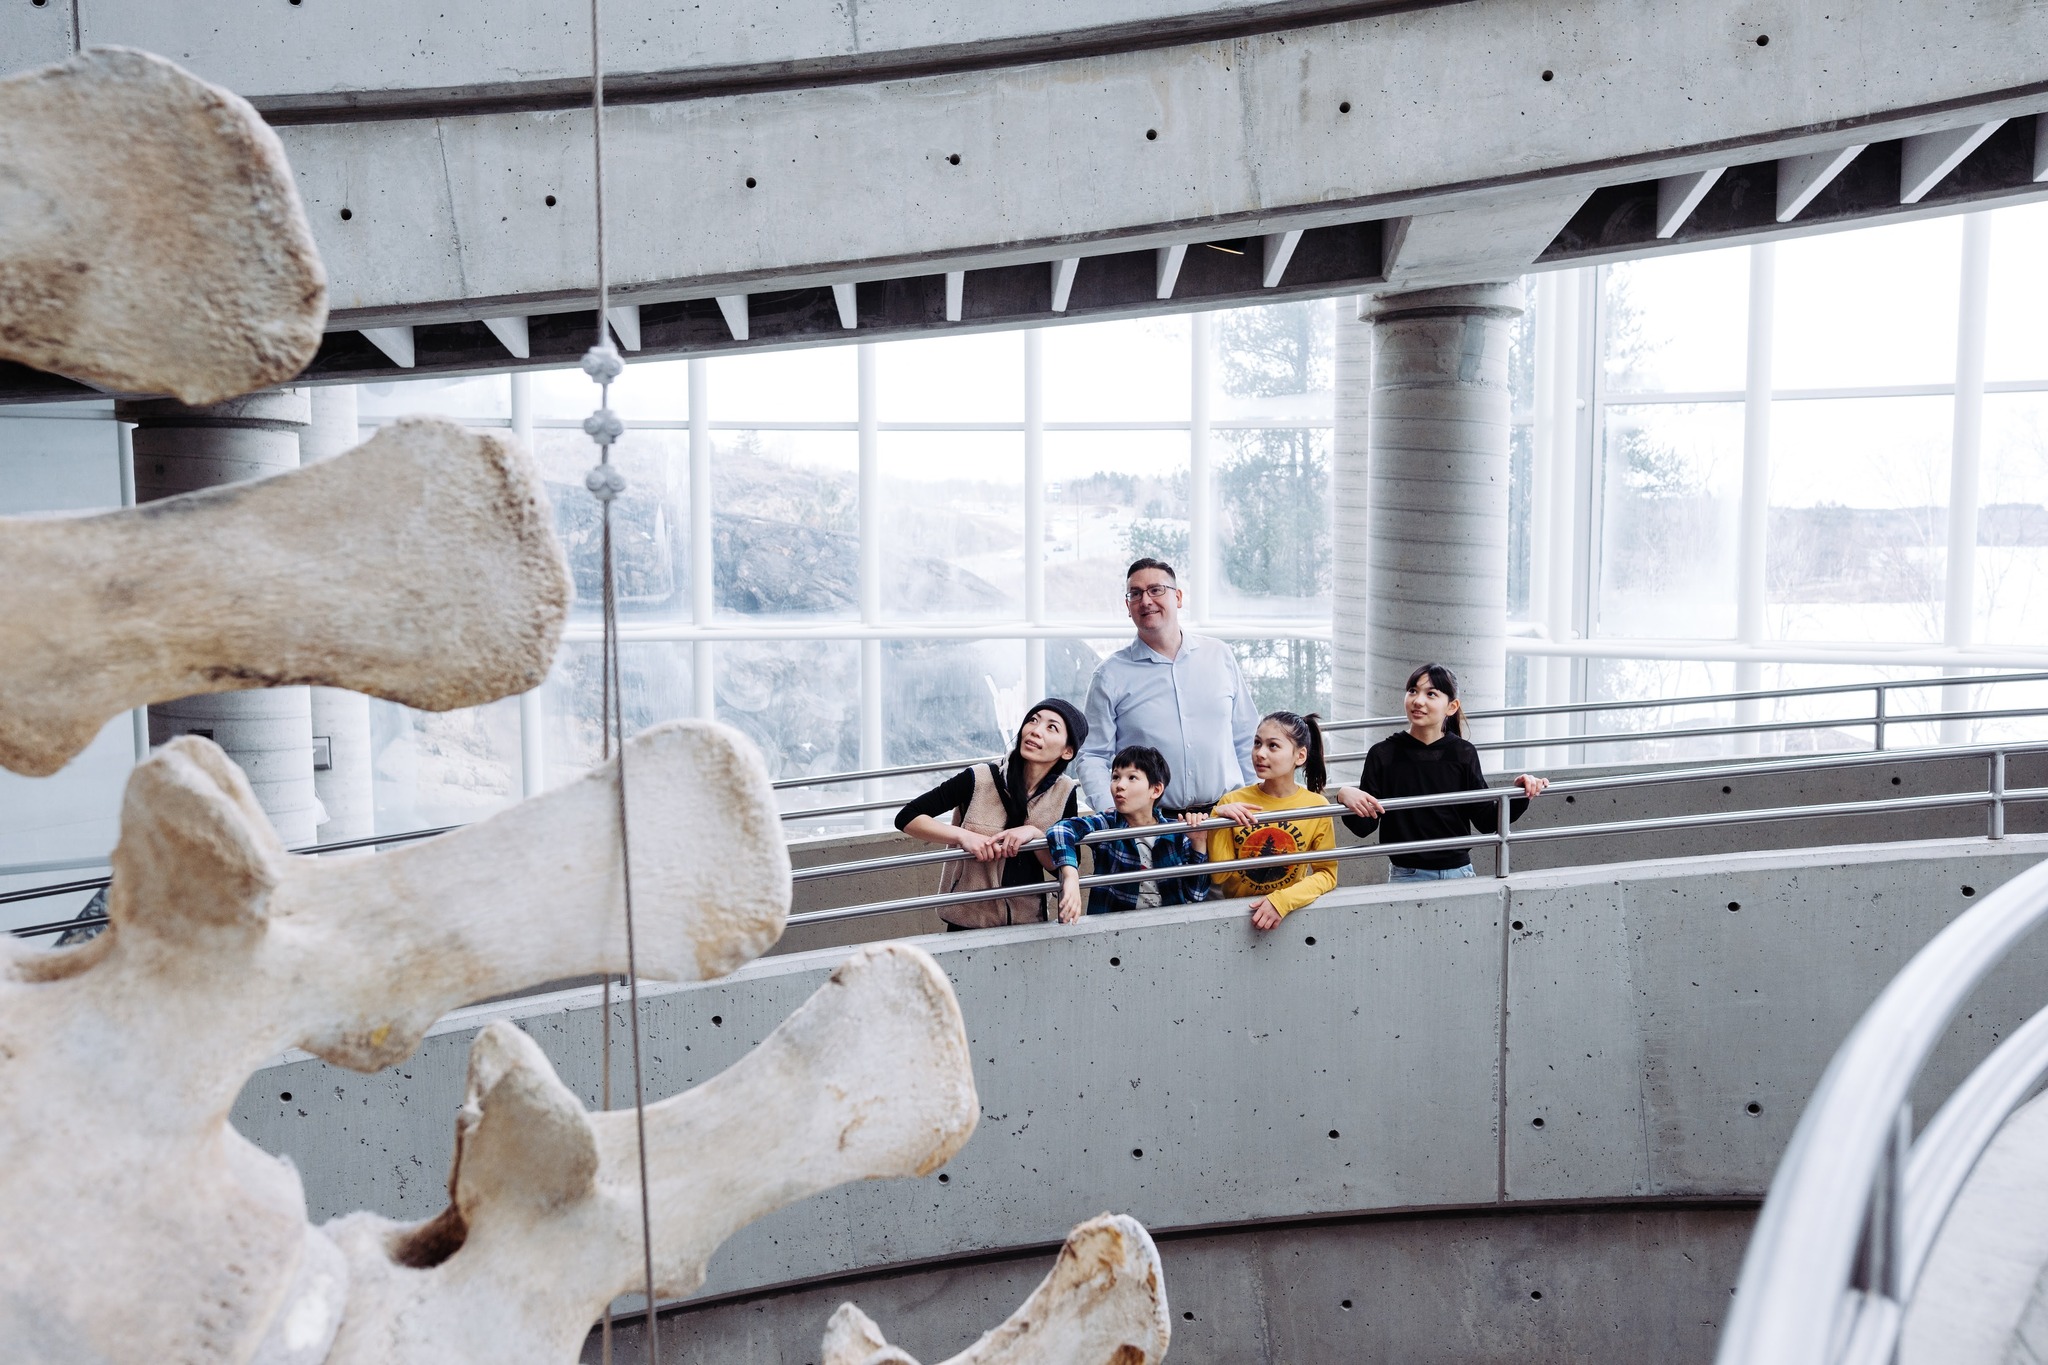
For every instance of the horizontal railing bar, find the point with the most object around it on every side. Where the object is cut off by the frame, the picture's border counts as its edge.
(1565, 709)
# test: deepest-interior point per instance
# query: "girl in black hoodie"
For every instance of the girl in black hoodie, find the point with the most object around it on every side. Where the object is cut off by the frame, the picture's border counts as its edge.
(1432, 756)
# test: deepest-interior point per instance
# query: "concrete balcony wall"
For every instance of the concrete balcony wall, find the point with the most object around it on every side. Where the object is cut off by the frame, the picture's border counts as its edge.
(1637, 1039)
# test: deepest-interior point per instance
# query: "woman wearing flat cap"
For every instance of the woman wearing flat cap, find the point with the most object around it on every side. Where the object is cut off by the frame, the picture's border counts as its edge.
(997, 809)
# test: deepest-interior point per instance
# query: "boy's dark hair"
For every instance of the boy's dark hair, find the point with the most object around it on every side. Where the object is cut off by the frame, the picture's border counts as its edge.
(1150, 563)
(1307, 733)
(1446, 682)
(1146, 760)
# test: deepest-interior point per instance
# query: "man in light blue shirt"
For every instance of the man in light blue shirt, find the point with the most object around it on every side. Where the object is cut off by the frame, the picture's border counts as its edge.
(1179, 693)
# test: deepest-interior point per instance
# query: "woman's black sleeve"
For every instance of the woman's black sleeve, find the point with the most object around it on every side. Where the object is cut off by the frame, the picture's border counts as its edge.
(949, 796)
(1073, 803)
(1370, 776)
(1486, 817)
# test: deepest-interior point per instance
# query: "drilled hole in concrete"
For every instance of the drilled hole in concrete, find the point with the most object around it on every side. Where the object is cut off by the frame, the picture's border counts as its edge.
(551, 201)
(39, 3)
(953, 160)
(1137, 1152)
(346, 215)
(1763, 40)
(1333, 1134)
(1116, 962)
(1549, 75)
(1516, 925)
(1536, 1123)
(1344, 108)
(1571, 800)
(1895, 782)
(1535, 1293)
(286, 1097)
(1346, 1305)
(1734, 905)
(1187, 1317)
(1151, 135)
(718, 1021)
(1969, 891)
(945, 1179)
(750, 182)
(1754, 1107)
(1310, 940)
(1727, 791)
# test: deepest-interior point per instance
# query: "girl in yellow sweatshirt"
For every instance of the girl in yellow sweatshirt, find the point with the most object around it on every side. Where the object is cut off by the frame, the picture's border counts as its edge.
(1284, 743)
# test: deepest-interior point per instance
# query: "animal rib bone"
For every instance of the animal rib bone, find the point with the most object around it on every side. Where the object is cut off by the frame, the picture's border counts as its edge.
(420, 567)
(151, 238)
(870, 1079)
(224, 950)
(1103, 1304)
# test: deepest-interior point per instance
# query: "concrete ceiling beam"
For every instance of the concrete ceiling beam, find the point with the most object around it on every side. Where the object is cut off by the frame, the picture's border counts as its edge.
(734, 307)
(847, 301)
(1679, 195)
(1801, 178)
(1497, 240)
(1167, 270)
(1063, 272)
(395, 342)
(1403, 112)
(513, 334)
(625, 321)
(1927, 159)
(1278, 250)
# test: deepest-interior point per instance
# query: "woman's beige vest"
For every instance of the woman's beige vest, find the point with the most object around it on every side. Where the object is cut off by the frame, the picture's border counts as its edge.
(984, 814)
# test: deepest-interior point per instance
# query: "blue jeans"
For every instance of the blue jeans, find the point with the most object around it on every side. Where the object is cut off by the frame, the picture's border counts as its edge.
(1427, 874)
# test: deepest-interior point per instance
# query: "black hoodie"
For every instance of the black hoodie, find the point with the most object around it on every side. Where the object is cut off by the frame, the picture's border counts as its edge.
(1402, 765)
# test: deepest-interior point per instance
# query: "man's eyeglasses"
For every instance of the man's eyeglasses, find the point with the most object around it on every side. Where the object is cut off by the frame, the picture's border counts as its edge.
(1157, 592)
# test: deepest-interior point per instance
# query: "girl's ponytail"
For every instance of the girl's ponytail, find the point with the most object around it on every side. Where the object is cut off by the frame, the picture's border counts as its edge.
(1306, 734)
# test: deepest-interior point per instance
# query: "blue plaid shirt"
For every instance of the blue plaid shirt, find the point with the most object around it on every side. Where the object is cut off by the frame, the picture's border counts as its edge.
(1169, 850)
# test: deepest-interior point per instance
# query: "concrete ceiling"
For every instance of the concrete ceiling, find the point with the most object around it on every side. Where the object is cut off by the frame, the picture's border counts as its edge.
(817, 171)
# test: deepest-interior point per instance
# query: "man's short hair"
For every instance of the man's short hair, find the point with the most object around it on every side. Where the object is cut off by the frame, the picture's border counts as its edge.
(1150, 563)
(1146, 760)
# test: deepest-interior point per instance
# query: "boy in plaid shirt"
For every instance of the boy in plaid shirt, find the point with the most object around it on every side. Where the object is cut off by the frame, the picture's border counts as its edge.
(1137, 778)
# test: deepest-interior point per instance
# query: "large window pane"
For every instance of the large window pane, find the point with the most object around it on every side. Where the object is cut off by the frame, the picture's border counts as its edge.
(1110, 498)
(953, 505)
(442, 768)
(655, 676)
(1286, 674)
(1872, 307)
(2016, 341)
(1134, 371)
(786, 523)
(1678, 324)
(1858, 519)
(650, 520)
(1272, 373)
(817, 385)
(974, 378)
(648, 391)
(2012, 521)
(482, 399)
(1672, 475)
(946, 699)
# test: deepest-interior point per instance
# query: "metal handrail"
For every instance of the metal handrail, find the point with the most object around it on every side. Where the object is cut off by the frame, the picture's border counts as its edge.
(1995, 797)
(1562, 787)
(1880, 720)
(1856, 1203)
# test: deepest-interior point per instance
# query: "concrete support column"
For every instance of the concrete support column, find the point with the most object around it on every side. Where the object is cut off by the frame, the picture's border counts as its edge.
(268, 732)
(1437, 523)
(343, 763)
(1351, 587)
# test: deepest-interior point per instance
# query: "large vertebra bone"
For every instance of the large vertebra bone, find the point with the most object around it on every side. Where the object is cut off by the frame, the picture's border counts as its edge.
(1103, 1304)
(139, 1227)
(870, 1079)
(420, 567)
(151, 238)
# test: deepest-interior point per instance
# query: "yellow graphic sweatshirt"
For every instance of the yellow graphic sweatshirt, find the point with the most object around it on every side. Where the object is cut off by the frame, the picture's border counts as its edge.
(1289, 887)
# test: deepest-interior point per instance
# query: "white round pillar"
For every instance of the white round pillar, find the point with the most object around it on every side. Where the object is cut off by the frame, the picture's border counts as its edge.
(343, 774)
(268, 732)
(1437, 526)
